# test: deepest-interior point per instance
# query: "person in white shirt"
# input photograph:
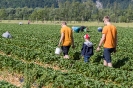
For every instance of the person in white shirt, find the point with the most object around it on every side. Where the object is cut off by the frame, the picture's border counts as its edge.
(6, 35)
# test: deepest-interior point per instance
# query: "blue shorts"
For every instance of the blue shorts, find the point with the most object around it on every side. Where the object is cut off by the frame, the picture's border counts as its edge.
(107, 54)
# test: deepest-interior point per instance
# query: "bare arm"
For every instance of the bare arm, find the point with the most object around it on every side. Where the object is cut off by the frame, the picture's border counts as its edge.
(115, 44)
(61, 38)
(116, 41)
(72, 40)
(101, 42)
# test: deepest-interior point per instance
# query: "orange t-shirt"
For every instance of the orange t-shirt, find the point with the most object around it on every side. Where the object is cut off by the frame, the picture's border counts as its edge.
(67, 40)
(110, 36)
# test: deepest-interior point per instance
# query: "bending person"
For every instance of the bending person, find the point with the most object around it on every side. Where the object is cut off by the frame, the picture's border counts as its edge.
(76, 29)
(6, 35)
(83, 28)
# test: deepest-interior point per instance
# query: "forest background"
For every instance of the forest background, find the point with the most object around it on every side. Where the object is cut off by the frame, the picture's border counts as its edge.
(68, 10)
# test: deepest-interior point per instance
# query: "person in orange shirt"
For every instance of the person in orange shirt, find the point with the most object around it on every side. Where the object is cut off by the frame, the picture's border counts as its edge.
(109, 38)
(66, 39)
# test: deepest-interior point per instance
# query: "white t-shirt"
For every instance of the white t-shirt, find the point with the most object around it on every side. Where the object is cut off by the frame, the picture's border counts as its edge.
(6, 35)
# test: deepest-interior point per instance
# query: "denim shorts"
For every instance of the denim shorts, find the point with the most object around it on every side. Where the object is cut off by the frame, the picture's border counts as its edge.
(107, 54)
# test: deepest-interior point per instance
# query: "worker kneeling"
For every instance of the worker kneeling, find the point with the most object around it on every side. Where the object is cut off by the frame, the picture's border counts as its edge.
(76, 29)
(80, 29)
(6, 35)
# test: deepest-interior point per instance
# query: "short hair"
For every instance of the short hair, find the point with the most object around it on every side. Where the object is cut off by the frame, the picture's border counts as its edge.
(64, 23)
(107, 18)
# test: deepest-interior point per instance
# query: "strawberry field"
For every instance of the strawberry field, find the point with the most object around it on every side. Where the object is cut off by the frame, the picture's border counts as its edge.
(30, 53)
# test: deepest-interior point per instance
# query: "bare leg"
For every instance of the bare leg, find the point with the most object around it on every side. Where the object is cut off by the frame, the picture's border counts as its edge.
(110, 64)
(66, 56)
(105, 63)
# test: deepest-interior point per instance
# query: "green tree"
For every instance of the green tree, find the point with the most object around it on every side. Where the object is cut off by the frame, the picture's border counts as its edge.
(129, 13)
(10, 13)
(3, 14)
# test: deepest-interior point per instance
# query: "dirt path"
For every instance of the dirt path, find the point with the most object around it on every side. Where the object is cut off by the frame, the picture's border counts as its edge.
(38, 63)
(14, 79)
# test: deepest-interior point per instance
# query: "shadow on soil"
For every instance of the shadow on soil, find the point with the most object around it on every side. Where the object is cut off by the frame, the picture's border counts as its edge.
(120, 63)
(77, 56)
(98, 58)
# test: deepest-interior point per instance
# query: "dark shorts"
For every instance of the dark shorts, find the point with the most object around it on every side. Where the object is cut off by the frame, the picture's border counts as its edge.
(82, 28)
(107, 54)
(65, 49)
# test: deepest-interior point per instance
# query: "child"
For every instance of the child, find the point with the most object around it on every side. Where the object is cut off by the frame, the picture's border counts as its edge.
(87, 48)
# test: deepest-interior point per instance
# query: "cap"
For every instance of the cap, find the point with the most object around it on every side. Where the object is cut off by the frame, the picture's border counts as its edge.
(99, 29)
(86, 36)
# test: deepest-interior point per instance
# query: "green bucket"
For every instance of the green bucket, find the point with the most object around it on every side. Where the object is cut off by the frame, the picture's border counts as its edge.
(85, 30)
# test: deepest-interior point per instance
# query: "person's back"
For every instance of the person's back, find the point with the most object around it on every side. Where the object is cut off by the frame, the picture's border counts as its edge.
(109, 39)
(76, 29)
(66, 39)
(67, 35)
(111, 33)
(87, 48)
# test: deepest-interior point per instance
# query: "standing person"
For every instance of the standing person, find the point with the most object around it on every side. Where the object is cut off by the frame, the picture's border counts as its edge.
(66, 39)
(28, 21)
(87, 48)
(109, 38)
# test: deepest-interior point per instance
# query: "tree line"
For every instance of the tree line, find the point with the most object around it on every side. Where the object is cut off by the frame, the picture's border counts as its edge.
(49, 3)
(69, 11)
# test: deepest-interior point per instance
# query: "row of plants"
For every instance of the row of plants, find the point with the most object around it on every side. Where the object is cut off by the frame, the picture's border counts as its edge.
(77, 66)
(90, 70)
(34, 47)
(35, 75)
(38, 44)
(4, 84)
